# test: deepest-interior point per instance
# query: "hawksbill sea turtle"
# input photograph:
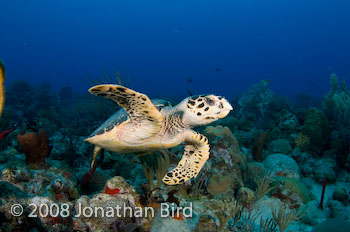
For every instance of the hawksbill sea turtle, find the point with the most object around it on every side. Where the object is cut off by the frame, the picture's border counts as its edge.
(143, 125)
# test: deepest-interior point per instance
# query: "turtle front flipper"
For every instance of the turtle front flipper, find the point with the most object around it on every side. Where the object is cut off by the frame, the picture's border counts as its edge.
(145, 118)
(195, 155)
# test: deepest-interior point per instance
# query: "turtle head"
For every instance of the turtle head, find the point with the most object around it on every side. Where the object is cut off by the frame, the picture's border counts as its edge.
(204, 109)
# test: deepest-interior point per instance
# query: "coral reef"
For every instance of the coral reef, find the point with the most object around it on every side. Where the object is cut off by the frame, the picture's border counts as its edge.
(302, 142)
(282, 165)
(291, 190)
(218, 184)
(280, 146)
(284, 218)
(319, 169)
(206, 224)
(316, 127)
(252, 103)
(336, 106)
(259, 143)
(224, 210)
(336, 103)
(265, 172)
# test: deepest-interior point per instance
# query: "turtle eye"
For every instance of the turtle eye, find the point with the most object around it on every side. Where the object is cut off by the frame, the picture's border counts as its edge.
(209, 101)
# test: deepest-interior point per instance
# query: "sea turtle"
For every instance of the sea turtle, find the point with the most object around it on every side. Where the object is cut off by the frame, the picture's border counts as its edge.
(143, 125)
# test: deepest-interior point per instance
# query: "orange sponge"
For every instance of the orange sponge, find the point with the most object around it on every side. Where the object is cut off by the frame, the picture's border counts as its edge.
(35, 147)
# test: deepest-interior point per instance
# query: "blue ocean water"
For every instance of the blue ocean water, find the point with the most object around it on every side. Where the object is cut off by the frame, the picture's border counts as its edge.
(253, 161)
(223, 46)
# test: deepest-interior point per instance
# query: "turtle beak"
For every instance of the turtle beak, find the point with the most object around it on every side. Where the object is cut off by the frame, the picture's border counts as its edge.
(227, 105)
(226, 108)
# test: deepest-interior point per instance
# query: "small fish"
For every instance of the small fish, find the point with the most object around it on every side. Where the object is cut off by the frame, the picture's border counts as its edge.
(189, 80)
(189, 92)
(218, 69)
(2, 87)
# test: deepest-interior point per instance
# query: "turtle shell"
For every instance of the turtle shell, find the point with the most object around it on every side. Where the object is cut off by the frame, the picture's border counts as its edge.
(121, 115)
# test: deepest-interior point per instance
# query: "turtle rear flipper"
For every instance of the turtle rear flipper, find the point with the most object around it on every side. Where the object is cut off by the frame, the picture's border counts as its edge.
(145, 118)
(195, 155)
(93, 165)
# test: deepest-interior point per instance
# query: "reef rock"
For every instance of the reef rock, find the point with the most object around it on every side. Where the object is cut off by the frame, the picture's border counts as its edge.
(117, 194)
(256, 169)
(246, 196)
(231, 122)
(313, 214)
(288, 122)
(233, 172)
(218, 184)
(280, 146)
(291, 191)
(319, 169)
(281, 165)
(224, 144)
(122, 189)
(341, 194)
(325, 168)
(253, 101)
(336, 209)
(99, 219)
(169, 224)
(10, 190)
(206, 223)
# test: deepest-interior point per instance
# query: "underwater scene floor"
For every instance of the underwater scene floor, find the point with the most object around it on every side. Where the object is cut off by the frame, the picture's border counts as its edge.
(270, 165)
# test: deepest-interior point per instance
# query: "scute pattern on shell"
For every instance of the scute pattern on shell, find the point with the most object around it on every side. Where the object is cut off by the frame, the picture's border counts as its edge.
(121, 115)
